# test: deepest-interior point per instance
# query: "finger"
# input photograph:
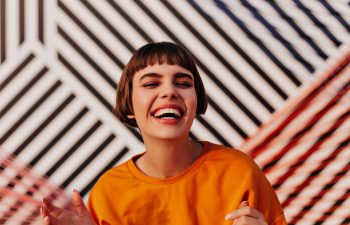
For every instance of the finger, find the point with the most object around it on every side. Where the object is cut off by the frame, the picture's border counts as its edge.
(247, 220)
(243, 204)
(44, 213)
(46, 220)
(245, 211)
(231, 215)
(50, 208)
(78, 204)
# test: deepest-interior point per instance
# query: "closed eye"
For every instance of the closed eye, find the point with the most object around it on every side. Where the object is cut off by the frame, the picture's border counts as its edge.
(150, 84)
(184, 84)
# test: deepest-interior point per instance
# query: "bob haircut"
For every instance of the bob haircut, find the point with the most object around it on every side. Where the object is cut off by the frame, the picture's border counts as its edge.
(151, 54)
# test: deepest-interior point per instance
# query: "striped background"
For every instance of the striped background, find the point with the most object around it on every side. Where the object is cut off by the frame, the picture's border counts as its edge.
(277, 76)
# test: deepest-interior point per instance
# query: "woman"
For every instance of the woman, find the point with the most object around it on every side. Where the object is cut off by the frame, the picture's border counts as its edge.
(176, 180)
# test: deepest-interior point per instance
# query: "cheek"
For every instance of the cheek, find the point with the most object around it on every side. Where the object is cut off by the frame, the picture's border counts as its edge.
(141, 102)
(192, 102)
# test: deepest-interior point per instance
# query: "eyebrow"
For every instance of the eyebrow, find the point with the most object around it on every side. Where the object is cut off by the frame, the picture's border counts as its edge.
(157, 75)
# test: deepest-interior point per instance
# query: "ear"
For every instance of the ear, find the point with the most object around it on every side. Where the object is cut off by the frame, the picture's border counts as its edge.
(131, 116)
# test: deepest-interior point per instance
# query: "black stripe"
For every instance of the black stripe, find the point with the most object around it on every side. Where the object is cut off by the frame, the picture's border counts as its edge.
(258, 42)
(279, 37)
(192, 136)
(3, 31)
(58, 137)
(318, 23)
(99, 70)
(213, 131)
(228, 119)
(130, 21)
(114, 161)
(24, 90)
(334, 13)
(347, 219)
(77, 144)
(88, 32)
(44, 124)
(41, 21)
(83, 165)
(221, 59)
(202, 66)
(84, 82)
(306, 129)
(16, 71)
(21, 21)
(32, 109)
(244, 55)
(92, 90)
(108, 26)
(301, 33)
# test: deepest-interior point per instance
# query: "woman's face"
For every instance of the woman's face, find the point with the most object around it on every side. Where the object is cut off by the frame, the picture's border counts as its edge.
(164, 101)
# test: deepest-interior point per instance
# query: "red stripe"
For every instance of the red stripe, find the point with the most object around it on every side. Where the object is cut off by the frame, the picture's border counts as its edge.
(268, 167)
(299, 108)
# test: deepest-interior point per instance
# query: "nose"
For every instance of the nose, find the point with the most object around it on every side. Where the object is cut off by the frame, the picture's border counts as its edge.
(169, 91)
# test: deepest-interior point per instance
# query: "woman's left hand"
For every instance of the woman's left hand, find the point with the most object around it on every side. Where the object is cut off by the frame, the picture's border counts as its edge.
(246, 215)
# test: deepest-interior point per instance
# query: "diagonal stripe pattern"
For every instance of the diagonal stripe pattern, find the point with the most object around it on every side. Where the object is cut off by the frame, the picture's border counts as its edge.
(276, 74)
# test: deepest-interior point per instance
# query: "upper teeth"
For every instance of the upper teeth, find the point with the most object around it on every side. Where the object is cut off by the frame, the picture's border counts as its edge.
(167, 110)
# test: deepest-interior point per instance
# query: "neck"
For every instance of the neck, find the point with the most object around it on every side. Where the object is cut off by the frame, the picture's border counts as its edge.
(167, 158)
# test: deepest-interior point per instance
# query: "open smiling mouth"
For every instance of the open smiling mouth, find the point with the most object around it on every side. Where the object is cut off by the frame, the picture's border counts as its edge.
(168, 114)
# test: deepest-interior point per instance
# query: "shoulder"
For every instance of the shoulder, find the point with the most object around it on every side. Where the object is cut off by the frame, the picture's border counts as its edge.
(231, 161)
(226, 155)
(112, 177)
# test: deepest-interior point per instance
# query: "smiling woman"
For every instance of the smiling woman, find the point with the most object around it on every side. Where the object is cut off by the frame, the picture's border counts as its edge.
(176, 180)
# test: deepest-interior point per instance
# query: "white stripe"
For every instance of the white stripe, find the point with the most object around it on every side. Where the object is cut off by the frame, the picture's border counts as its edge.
(222, 127)
(80, 155)
(64, 145)
(31, 21)
(87, 45)
(50, 131)
(202, 133)
(101, 160)
(21, 80)
(274, 46)
(228, 106)
(100, 31)
(288, 33)
(332, 24)
(87, 71)
(227, 52)
(305, 23)
(253, 51)
(12, 28)
(143, 20)
(23, 105)
(119, 23)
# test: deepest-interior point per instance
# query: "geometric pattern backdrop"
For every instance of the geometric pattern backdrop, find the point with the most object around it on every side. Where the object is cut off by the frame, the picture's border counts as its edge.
(277, 75)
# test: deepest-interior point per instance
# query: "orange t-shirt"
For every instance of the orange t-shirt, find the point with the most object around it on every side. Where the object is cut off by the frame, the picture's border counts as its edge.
(213, 186)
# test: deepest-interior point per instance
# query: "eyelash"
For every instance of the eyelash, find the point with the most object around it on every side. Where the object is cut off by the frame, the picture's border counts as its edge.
(181, 84)
(184, 84)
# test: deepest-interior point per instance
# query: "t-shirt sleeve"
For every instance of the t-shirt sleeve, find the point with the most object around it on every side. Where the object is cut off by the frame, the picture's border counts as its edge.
(91, 206)
(265, 199)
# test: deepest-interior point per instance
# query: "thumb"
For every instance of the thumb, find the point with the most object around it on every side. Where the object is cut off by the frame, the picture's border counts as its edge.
(243, 204)
(78, 204)
(236, 213)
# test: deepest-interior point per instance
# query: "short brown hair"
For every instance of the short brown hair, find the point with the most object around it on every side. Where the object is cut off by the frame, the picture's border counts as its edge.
(150, 54)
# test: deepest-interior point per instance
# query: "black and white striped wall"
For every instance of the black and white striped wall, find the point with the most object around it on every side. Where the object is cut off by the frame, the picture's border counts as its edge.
(61, 61)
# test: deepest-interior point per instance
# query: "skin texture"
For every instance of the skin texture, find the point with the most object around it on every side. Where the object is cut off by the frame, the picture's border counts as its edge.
(76, 214)
(246, 215)
(156, 87)
(168, 148)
